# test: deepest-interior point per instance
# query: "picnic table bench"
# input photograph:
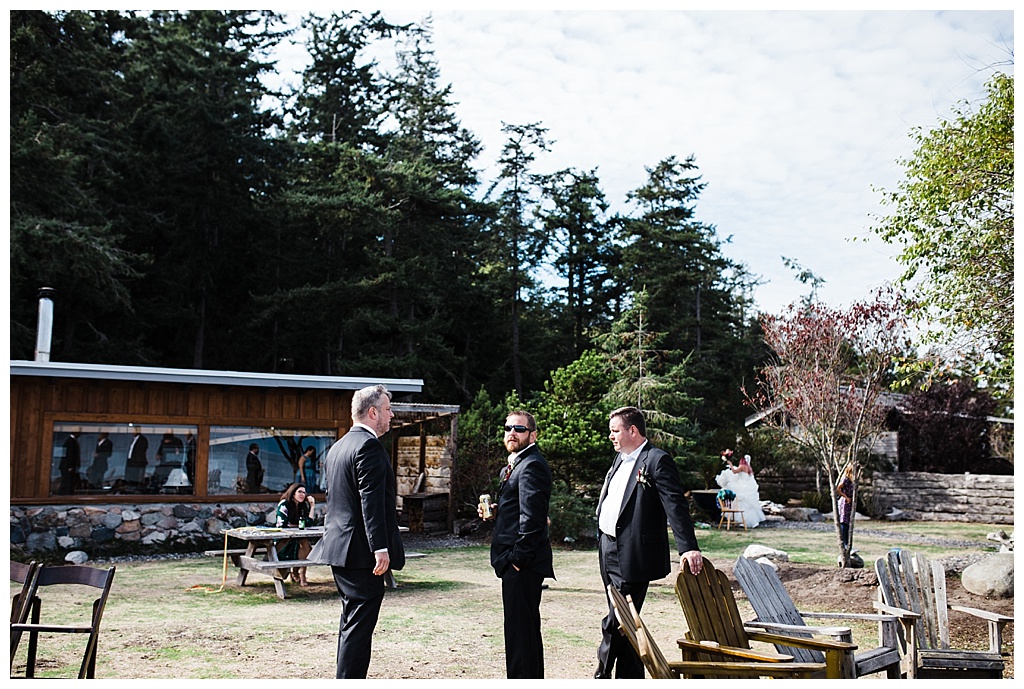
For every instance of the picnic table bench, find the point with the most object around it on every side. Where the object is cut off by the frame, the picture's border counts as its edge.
(261, 554)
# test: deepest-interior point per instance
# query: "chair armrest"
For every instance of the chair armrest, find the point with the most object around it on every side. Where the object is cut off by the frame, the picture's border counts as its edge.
(868, 617)
(983, 614)
(801, 642)
(798, 628)
(903, 615)
(996, 622)
(697, 667)
(733, 651)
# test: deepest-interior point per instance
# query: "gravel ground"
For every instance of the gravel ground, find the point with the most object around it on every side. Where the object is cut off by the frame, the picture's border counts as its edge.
(953, 563)
(414, 542)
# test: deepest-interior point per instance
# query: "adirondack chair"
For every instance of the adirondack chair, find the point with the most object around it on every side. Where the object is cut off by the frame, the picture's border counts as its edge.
(642, 641)
(911, 587)
(776, 611)
(716, 629)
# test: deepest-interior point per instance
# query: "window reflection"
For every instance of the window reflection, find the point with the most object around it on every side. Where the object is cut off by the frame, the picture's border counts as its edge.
(265, 460)
(122, 459)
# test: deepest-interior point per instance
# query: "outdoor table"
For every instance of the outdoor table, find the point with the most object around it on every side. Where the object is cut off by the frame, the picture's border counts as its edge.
(705, 500)
(261, 552)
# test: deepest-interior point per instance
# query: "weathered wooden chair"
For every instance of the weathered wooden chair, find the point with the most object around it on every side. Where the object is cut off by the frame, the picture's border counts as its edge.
(716, 629)
(914, 589)
(730, 515)
(101, 579)
(21, 604)
(642, 641)
(776, 611)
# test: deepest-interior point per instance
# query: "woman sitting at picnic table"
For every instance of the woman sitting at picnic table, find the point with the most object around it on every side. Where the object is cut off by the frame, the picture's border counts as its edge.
(296, 510)
(740, 480)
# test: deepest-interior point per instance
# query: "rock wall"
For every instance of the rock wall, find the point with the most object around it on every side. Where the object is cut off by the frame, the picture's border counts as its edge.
(945, 497)
(105, 529)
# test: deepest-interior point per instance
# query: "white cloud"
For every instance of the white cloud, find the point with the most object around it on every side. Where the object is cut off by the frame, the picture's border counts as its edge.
(793, 116)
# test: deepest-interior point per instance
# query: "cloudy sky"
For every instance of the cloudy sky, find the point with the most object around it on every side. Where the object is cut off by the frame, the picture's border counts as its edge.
(795, 118)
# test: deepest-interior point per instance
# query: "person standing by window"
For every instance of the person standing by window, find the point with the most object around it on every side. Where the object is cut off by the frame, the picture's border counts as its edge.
(253, 470)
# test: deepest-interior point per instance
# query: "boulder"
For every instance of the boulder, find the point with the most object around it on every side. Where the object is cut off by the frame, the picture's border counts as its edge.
(802, 514)
(991, 577)
(767, 563)
(755, 551)
(1005, 542)
(77, 557)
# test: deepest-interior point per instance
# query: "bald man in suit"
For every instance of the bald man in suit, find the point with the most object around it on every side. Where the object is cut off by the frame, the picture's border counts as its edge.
(361, 541)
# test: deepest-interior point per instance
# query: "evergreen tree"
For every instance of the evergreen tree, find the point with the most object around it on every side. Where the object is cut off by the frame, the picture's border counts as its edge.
(513, 241)
(652, 378)
(697, 296)
(67, 138)
(199, 173)
(584, 254)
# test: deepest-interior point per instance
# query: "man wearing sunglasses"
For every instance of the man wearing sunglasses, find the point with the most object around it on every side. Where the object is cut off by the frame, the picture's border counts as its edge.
(520, 546)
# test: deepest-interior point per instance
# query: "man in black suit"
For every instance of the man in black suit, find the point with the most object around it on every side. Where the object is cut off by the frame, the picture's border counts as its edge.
(361, 542)
(70, 464)
(100, 460)
(135, 467)
(641, 493)
(253, 469)
(520, 546)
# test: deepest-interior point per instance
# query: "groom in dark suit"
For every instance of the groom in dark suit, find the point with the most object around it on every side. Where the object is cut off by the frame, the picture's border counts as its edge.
(520, 546)
(361, 541)
(641, 494)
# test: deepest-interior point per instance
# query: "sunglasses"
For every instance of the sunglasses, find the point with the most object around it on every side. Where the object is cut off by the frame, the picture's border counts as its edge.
(517, 428)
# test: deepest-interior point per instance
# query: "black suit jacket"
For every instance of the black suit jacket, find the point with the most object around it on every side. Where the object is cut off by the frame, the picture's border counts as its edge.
(520, 534)
(362, 513)
(641, 535)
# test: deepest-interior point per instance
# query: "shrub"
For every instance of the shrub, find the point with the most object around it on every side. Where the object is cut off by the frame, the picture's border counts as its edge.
(573, 516)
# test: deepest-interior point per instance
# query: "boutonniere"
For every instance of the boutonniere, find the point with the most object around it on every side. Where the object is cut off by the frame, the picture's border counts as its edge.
(508, 470)
(643, 477)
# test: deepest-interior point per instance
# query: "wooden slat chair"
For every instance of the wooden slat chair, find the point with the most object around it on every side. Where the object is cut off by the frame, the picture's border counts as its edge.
(914, 589)
(730, 515)
(21, 604)
(82, 575)
(716, 629)
(642, 641)
(776, 611)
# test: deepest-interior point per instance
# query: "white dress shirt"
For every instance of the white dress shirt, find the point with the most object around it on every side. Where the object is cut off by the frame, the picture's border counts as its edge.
(617, 486)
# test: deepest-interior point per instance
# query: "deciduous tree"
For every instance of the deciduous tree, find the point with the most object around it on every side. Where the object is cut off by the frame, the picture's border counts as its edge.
(952, 220)
(826, 388)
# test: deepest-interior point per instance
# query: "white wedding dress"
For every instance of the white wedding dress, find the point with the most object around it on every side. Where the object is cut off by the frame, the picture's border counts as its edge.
(747, 498)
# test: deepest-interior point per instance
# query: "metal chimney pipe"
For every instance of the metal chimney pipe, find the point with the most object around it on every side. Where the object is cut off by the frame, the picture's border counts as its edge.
(44, 329)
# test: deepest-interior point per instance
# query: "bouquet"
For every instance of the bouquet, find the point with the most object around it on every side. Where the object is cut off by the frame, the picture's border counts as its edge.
(726, 494)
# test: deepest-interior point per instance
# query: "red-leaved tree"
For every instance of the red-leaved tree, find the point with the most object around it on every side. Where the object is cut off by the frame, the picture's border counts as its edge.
(826, 386)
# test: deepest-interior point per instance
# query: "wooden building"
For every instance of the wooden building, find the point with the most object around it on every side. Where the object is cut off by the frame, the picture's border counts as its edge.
(90, 433)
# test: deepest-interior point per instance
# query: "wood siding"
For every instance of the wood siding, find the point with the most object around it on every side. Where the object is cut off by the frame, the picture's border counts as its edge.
(37, 402)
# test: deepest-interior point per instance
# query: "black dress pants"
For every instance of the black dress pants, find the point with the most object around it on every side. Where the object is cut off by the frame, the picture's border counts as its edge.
(520, 598)
(362, 593)
(615, 651)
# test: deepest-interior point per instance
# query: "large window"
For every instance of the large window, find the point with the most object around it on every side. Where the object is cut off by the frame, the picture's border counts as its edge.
(94, 458)
(122, 459)
(265, 460)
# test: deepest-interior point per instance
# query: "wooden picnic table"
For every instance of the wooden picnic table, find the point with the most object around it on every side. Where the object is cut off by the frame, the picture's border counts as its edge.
(261, 552)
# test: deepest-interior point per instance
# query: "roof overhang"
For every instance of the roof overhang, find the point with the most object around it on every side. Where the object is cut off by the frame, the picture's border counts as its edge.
(58, 369)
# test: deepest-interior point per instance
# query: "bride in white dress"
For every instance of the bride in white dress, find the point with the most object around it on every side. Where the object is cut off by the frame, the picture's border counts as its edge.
(740, 480)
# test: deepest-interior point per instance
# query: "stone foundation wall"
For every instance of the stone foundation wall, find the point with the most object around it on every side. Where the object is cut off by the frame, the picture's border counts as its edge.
(104, 529)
